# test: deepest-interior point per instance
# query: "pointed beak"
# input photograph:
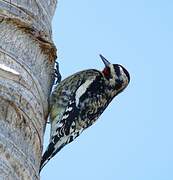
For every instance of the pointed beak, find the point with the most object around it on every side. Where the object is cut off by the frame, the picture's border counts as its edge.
(105, 61)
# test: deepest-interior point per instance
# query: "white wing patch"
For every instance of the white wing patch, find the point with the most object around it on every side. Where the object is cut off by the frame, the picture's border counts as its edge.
(69, 109)
(65, 116)
(82, 89)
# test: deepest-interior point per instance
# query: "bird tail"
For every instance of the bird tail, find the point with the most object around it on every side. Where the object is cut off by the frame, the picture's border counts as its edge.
(48, 154)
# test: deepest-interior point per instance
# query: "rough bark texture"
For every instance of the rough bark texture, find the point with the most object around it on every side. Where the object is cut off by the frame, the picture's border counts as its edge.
(27, 56)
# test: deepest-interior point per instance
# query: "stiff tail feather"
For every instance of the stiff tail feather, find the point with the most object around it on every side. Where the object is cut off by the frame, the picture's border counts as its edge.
(48, 154)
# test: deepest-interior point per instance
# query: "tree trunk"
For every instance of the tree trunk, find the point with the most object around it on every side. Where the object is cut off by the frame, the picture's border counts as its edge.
(27, 56)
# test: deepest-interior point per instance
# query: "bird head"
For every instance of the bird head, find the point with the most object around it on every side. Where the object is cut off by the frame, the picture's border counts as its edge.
(117, 76)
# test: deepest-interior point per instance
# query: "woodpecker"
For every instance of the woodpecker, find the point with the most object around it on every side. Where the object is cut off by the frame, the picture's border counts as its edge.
(79, 100)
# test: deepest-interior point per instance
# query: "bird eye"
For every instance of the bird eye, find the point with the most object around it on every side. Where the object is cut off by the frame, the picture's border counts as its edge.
(118, 84)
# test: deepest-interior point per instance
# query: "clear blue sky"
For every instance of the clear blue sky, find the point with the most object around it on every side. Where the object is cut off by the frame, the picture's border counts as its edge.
(133, 139)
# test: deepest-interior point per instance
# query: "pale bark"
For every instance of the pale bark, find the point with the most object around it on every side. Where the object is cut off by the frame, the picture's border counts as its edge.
(27, 56)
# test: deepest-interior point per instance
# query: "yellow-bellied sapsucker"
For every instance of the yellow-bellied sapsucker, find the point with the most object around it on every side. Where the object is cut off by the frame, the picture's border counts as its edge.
(79, 100)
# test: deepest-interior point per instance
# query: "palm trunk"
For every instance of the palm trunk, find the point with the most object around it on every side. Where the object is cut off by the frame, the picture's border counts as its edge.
(27, 56)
